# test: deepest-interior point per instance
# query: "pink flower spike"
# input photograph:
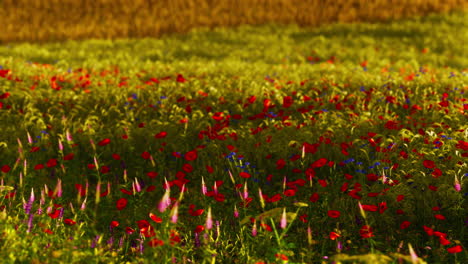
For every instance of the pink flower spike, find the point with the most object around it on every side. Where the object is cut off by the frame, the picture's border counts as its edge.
(137, 185)
(32, 198)
(83, 205)
(236, 212)
(69, 136)
(457, 185)
(245, 194)
(254, 229)
(60, 145)
(165, 201)
(232, 177)
(96, 163)
(175, 214)
(204, 190)
(30, 141)
(283, 222)
(209, 220)
(58, 188)
(262, 201)
(414, 257)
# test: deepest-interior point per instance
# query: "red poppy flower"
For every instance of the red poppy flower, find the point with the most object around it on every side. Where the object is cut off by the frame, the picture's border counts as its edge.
(319, 163)
(462, 144)
(121, 204)
(244, 174)
(290, 192)
(116, 156)
(51, 163)
(266, 227)
(152, 174)
(199, 229)
(146, 155)
(303, 218)
(314, 197)
(400, 198)
(439, 217)
(428, 230)
(126, 191)
(105, 169)
(455, 249)
(180, 78)
(187, 168)
(5, 168)
(150, 188)
(287, 101)
(48, 231)
(162, 134)
(104, 142)
(54, 214)
(91, 166)
(69, 156)
(209, 169)
(280, 164)
(129, 230)
(334, 235)
(443, 240)
(155, 242)
(155, 218)
(382, 207)
(219, 197)
(193, 212)
(69, 221)
(429, 164)
(10, 195)
(372, 177)
(436, 173)
(34, 149)
(370, 207)
(366, 232)
(191, 155)
(405, 224)
(39, 167)
(322, 182)
(333, 213)
(124, 136)
(114, 224)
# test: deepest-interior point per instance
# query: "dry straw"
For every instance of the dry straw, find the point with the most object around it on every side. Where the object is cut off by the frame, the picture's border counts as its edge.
(49, 20)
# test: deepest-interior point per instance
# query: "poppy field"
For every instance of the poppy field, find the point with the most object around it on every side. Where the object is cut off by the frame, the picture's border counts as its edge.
(257, 144)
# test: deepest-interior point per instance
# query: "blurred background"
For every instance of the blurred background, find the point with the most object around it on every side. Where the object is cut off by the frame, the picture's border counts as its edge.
(59, 20)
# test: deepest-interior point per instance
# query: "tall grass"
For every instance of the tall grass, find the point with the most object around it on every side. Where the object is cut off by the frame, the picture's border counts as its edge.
(45, 20)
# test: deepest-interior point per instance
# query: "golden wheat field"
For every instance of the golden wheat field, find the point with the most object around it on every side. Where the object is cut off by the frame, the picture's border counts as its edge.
(55, 20)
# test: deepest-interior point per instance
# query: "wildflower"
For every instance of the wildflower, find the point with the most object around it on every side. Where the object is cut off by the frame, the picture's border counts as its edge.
(457, 184)
(254, 229)
(175, 213)
(366, 232)
(405, 224)
(334, 235)
(104, 142)
(161, 134)
(429, 164)
(69, 221)
(333, 213)
(314, 197)
(209, 220)
(455, 249)
(283, 222)
(121, 204)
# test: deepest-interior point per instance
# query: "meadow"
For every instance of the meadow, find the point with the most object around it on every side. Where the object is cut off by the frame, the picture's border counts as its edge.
(346, 143)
